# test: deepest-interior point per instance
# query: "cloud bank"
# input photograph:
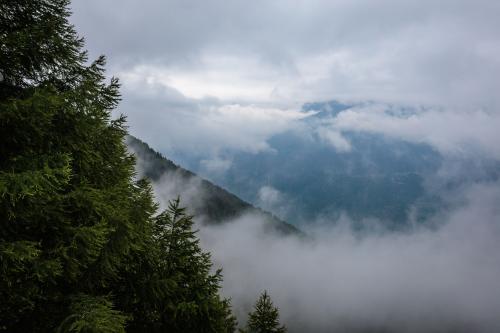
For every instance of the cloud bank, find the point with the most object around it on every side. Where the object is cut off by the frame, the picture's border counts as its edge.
(440, 277)
(173, 122)
(456, 132)
(214, 75)
(419, 50)
(446, 279)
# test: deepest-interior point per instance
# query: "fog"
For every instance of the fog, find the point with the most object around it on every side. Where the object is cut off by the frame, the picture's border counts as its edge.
(426, 279)
(418, 281)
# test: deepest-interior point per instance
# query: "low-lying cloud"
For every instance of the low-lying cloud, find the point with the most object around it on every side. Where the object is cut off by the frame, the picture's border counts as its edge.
(441, 277)
(444, 279)
(272, 200)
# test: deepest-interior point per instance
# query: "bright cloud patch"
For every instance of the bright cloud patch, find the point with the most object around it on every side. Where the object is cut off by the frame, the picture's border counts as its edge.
(449, 131)
(335, 139)
(204, 127)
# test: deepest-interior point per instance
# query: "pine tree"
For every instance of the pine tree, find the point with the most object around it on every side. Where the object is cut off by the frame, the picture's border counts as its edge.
(81, 248)
(65, 177)
(192, 303)
(265, 317)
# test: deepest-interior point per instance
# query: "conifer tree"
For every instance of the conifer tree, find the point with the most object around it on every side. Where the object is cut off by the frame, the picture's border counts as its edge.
(65, 177)
(80, 247)
(265, 317)
(193, 304)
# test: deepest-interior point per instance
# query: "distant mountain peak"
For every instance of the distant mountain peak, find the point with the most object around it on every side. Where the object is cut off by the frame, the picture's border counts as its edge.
(326, 109)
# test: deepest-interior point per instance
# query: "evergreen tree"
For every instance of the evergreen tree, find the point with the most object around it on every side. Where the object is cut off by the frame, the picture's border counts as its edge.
(265, 317)
(81, 248)
(193, 304)
(65, 178)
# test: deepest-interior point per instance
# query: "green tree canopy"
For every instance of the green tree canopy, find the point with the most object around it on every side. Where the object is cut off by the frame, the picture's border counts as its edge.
(82, 248)
(265, 317)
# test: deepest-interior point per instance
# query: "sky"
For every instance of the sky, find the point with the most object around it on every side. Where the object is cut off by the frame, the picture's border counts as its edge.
(211, 76)
(208, 77)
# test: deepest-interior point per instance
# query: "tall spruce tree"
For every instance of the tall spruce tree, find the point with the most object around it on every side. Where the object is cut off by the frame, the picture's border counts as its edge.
(195, 305)
(265, 317)
(81, 247)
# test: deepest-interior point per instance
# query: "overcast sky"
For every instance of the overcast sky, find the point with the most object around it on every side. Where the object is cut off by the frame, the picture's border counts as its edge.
(229, 74)
(206, 77)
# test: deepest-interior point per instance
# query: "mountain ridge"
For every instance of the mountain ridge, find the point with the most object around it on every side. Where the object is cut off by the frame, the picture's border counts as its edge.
(217, 204)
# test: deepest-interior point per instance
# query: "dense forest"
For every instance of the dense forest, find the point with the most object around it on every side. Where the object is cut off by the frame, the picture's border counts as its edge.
(83, 245)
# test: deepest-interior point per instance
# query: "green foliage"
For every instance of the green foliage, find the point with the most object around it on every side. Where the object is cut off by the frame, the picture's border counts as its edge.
(195, 306)
(82, 248)
(48, 131)
(180, 288)
(265, 317)
(38, 44)
(92, 314)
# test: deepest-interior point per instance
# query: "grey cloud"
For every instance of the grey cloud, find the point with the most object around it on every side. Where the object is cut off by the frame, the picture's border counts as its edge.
(272, 200)
(172, 122)
(419, 51)
(455, 132)
(424, 280)
(155, 28)
(173, 184)
(215, 165)
(182, 62)
(443, 278)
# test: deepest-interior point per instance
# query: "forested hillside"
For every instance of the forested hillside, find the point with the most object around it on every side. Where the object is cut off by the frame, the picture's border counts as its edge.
(216, 205)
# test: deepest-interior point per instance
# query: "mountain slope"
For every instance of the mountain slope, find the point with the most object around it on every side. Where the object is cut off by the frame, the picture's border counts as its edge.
(314, 172)
(205, 200)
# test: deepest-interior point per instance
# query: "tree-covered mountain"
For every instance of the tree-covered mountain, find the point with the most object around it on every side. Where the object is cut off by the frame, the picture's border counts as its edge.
(314, 172)
(206, 200)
